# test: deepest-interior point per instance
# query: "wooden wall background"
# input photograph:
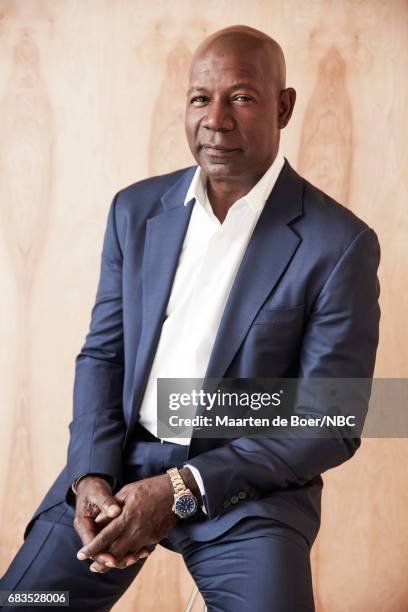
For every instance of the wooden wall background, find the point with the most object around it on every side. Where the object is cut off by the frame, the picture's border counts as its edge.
(92, 99)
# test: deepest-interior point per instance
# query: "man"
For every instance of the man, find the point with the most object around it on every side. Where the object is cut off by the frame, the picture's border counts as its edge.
(234, 268)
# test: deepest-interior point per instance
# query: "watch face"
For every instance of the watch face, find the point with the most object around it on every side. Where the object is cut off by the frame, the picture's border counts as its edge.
(186, 505)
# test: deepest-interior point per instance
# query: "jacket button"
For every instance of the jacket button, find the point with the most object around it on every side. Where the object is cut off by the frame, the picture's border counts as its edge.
(234, 499)
(227, 503)
(242, 495)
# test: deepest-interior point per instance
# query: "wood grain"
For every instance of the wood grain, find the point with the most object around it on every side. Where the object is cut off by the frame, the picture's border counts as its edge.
(92, 98)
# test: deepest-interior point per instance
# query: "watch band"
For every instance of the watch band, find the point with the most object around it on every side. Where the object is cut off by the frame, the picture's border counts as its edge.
(176, 481)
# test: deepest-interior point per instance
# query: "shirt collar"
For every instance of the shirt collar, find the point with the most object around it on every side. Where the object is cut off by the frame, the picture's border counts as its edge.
(256, 197)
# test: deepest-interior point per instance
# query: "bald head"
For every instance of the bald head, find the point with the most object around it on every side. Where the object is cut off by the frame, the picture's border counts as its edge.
(241, 40)
(236, 105)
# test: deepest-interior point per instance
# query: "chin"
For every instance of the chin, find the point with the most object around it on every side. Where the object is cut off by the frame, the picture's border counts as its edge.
(220, 169)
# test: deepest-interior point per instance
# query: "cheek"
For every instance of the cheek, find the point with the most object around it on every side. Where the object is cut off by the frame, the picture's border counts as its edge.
(190, 137)
(258, 128)
(259, 134)
(191, 125)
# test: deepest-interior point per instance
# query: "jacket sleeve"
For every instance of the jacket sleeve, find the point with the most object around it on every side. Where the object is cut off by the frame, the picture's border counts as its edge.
(97, 428)
(340, 341)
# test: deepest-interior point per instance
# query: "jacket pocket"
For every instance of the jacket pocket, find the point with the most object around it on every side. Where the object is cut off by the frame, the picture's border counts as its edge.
(279, 315)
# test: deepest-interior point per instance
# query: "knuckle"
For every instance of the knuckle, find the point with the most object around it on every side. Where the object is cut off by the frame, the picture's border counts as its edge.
(133, 495)
(77, 523)
(126, 490)
(106, 501)
(90, 508)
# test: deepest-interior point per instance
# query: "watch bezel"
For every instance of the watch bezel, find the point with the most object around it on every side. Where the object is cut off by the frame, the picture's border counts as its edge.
(179, 498)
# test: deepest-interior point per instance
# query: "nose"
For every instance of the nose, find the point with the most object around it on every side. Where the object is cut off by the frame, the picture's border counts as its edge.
(218, 117)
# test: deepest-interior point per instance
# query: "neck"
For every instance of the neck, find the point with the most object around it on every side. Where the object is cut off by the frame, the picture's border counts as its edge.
(223, 192)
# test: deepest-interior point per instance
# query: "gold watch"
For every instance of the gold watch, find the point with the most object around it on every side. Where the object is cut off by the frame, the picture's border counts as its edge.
(185, 503)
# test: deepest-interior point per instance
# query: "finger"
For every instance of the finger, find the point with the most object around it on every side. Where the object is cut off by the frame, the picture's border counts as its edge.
(103, 540)
(98, 499)
(106, 559)
(97, 502)
(121, 495)
(85, 528)
(87, 532)
(130, 559)
(133, 558)
(97, 568)
(117, 564)
(104, 562)
(122, 545)
(108, 505)
(102, 519)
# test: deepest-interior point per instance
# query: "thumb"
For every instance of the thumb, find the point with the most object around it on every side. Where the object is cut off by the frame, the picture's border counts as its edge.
(109, 506)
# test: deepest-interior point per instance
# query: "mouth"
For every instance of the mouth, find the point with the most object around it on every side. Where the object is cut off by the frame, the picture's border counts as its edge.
(218, 150)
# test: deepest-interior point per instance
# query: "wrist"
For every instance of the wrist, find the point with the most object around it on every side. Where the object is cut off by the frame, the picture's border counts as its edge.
(78, 483)
(191, 483)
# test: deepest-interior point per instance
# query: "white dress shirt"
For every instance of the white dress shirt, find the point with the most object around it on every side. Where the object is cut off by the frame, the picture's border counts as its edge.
(209, 261)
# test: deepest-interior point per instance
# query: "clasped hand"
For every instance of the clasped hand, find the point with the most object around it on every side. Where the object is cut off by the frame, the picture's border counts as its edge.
(116, 531)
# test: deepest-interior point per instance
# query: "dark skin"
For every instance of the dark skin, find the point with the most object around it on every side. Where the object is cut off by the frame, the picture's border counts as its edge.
(236, 106)
(115, 530)
(237, 102)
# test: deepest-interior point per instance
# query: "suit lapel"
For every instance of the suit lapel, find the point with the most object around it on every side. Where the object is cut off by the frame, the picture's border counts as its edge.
(164, 238)
(270, 249)
(269, 252)
(165, 234)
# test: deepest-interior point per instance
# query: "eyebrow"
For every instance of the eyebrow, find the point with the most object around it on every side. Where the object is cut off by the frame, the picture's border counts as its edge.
(239, 85)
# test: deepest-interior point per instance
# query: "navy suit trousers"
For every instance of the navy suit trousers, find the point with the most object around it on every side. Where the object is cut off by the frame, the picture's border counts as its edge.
(258, 565)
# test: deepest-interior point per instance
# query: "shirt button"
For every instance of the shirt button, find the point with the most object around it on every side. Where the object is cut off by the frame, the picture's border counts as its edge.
(227, 503)
(234, 499)
(242, 495)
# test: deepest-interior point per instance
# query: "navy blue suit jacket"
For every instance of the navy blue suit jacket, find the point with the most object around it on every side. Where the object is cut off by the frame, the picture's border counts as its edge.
(304, 304)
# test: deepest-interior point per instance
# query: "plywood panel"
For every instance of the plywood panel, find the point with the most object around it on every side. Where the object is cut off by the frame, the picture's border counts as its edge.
(92, 99)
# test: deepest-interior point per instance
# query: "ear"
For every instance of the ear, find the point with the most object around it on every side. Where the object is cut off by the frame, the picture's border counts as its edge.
(286, 104)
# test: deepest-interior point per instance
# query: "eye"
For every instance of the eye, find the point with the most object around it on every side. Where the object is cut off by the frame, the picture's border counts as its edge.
(199, 100)
(242, 98)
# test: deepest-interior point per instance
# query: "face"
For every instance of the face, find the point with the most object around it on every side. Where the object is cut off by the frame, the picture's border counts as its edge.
(231, 121)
